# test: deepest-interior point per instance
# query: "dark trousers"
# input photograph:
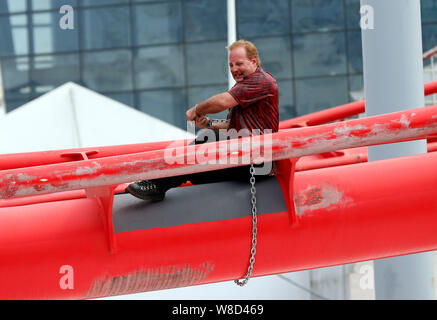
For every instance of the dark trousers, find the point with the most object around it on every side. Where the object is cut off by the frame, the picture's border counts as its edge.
(241, 173)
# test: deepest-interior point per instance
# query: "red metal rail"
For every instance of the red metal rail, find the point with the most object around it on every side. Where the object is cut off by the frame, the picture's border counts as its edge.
(431, 52)
(115, 170)
(343, 215)
(40, 158)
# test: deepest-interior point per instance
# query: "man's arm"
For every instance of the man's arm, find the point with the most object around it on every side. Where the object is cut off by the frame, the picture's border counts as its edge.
(215, 104)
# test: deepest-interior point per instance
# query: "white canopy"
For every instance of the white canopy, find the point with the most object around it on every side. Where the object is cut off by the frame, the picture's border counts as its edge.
(72, 116)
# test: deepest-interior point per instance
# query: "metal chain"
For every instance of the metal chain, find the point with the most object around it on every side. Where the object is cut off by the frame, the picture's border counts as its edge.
(254, 229)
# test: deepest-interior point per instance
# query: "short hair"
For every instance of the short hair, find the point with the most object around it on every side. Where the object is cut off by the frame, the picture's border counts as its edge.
(251, 50)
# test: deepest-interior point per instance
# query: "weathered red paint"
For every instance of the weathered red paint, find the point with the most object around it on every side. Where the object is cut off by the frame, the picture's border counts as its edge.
(293, 143)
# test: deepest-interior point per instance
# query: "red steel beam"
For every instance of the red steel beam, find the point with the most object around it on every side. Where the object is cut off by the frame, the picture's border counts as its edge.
(325, 116)
(341, 158)
(40, 158)
(332, 159)
(431, 52)
(344, 215)
(295, 143)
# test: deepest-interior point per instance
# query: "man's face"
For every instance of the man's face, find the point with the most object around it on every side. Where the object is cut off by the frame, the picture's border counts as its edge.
(240, 65)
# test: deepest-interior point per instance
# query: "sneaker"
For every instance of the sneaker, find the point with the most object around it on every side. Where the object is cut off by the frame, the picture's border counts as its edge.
(147, 190)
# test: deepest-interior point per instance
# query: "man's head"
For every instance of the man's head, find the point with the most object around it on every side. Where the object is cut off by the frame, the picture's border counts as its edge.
(243, 59)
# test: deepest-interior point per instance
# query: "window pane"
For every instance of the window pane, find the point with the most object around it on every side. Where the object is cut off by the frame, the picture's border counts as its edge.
(205, 20)
(262, 17)
(52, 4)
(356, 87)
(14, 39)
(355, 55)
(161, 66)
(353, 15)
(16, 78)
(319, 54)
(429, 36)
(429, 11)
(158, 23)
(199, 94)
(167, 105)
(49, 37)
(14, 104)
(319, 94)
(286, 103)
(207, 63)
(279, 65)
(125, 97)
(100, 2)
(317, 15)
(12, 6)
(52, 71)
(143, 0)
(107, 70)
(105, 28)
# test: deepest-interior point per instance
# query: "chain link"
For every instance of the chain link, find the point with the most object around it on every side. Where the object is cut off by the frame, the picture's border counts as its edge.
(254, 228)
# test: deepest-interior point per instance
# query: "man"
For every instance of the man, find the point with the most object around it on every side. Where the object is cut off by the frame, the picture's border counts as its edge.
(253, 105)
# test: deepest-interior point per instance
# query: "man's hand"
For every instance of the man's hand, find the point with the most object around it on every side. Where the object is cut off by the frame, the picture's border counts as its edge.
(202, 122)
(191, 114)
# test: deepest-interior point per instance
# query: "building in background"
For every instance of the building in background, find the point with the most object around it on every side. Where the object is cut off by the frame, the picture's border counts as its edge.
(161, 57)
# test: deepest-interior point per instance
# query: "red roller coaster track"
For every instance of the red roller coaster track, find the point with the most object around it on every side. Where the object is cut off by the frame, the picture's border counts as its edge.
(61, 209)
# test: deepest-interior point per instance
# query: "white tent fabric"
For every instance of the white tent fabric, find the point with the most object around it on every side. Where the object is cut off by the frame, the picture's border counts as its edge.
(72, 116)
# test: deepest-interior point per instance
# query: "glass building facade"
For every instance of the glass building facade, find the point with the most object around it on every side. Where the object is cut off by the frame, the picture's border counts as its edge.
(162, 56)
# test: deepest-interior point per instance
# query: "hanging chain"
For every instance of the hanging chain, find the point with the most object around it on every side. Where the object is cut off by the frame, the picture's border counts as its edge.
(254, 228)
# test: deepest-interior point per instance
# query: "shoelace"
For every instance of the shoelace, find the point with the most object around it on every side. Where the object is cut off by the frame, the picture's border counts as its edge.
(149, 186)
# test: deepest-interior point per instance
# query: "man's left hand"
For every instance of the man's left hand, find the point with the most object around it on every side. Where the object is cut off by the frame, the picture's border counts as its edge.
(191, 114)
